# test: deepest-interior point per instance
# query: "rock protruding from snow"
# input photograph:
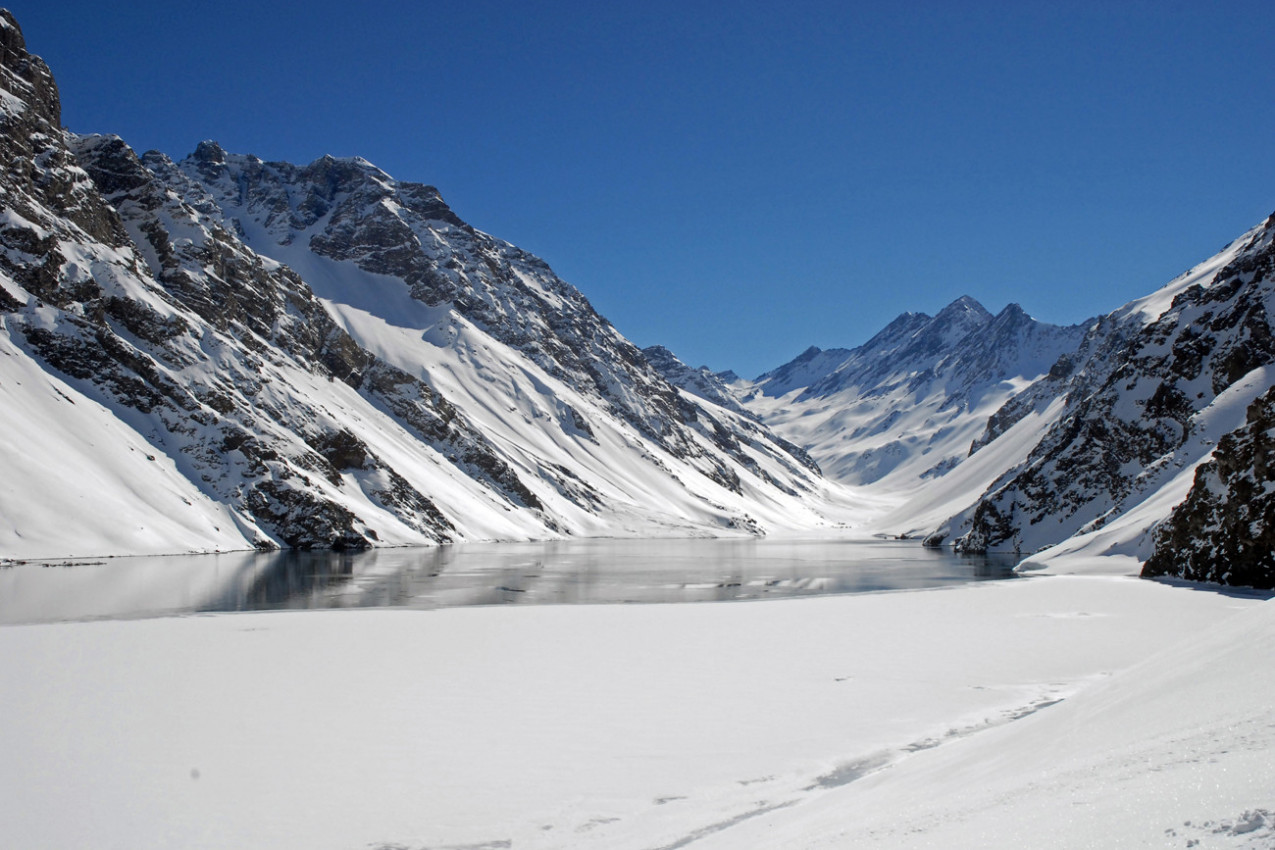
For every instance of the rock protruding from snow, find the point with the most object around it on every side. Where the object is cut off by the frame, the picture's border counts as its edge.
(1225, 530)
(1135, 402)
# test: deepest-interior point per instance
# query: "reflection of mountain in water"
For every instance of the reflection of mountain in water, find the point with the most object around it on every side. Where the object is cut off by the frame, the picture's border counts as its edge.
(286, 579)
(558, 572)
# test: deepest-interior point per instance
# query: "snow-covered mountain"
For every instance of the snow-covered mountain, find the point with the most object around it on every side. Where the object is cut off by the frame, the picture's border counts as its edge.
(225, 352)
(1157, 385)
(1006, 433)
(905, 407)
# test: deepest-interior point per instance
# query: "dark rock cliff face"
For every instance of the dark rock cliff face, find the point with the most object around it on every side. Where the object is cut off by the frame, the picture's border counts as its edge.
(41, 183)
(1132, 404)
(1224, 531)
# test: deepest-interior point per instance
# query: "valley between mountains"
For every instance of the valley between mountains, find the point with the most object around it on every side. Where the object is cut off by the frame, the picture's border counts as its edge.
(216, 352)
(220, 352)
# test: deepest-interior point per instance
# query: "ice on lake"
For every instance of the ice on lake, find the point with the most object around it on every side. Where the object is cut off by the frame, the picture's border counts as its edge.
(553, 572)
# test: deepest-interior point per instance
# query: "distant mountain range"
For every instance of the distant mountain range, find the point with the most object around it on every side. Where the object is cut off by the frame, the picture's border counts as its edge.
(1001, 432)
(222, 352)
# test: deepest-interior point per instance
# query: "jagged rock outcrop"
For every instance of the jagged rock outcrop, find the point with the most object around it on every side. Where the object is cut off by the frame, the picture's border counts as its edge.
(1224, 531)
(1134, 404)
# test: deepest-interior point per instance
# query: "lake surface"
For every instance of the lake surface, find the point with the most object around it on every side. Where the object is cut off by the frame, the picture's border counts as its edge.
(555, 572)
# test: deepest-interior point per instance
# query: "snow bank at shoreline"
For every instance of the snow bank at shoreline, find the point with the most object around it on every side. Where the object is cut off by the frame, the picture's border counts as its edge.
(1049, 711)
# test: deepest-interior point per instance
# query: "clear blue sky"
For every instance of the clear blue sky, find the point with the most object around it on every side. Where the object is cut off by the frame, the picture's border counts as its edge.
(738, 181)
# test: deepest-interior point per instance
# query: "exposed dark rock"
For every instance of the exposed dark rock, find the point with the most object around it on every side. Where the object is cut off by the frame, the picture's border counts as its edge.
(1224, 531)
(1132, 392)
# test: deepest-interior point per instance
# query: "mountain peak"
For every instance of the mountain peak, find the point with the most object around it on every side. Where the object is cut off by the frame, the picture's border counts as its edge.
(27, 75)
(10, 33)
(1012, 315)
(964, 306)
(660, 356)
(809, 354)
(952, 324)
(210, 152)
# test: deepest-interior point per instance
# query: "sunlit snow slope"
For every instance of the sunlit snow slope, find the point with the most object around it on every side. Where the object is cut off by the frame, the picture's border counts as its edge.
(228, 353)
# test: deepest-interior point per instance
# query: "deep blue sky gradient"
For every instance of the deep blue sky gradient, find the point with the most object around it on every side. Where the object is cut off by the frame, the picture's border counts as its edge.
(740, 180)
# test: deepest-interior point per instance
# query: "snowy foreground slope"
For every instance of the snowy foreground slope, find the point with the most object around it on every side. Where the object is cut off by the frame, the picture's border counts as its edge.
(169, 384)
(1045, 712)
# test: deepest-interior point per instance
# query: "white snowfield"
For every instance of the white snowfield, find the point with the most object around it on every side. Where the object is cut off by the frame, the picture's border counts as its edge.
(1052, 711)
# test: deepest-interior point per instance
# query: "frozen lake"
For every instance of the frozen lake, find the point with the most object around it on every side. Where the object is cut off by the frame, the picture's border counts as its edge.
(554, 572)
(1050, 712)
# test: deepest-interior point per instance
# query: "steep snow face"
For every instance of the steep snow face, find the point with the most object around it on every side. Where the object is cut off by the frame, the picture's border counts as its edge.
(440, 385)
(907, 406)
(1152, 396)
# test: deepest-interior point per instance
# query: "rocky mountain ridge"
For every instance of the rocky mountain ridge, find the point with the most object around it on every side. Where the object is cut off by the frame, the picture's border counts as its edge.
(908, 404)
(1147, 409)
(1092, 435)
(223, 352)
(249, 353)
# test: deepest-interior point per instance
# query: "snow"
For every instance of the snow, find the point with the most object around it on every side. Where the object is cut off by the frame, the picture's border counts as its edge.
(1173, 750)
(1122, 544)
(503, 393)
(1151, 307)
(630, 485)
(1052, 711)
(65, 457)
(930, 506)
